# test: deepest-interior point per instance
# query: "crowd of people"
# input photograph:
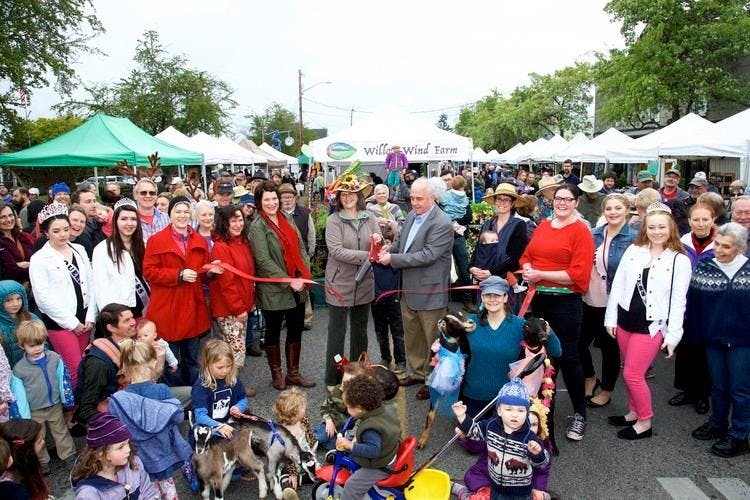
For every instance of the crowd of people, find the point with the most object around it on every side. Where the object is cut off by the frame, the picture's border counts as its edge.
(121, 304)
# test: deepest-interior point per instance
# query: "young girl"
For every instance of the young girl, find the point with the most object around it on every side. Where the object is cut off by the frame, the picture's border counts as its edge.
(152, 415)
(540, 475)
(15, 309)
(108, 467)
(645, 311)
(333, 410)
(25, 440)
(9, 488)
(218, 393)
(146, 332)
(289, 411)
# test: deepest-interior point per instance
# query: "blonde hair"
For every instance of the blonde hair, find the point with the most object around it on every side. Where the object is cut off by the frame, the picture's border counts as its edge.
(137, 359)
(646, 197)
(458, 182)
(31, 333)
(715, 201)
(288, 404)
(213, 351)
(541, 411)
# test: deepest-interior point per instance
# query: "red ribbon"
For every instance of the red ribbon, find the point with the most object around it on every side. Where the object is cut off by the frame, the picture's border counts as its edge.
(425, 290)
(530, 292)
(242, 274)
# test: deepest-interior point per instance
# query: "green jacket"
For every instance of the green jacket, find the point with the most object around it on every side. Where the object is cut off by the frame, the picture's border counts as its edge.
(390, 434)
(269, 263)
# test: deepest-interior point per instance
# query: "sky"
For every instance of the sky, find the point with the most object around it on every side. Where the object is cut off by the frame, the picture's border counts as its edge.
(432, 56)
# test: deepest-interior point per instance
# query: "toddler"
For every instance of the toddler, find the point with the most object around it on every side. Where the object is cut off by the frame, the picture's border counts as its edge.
(152, 415)
(48, 389)
(108, 467)
(454, 200)
(333, 409)
(218, 393)
(386, 312)
(394, 406)
(376, 436)
(289, 410)
(540, 476)
(146, 332)
(513, 450)
(15, 310)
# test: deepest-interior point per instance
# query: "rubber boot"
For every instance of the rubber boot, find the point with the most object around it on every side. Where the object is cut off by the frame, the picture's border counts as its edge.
(293, 376)
(273, 353)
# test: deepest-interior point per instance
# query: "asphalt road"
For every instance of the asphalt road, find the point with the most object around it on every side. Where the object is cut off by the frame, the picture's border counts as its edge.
(669, 465)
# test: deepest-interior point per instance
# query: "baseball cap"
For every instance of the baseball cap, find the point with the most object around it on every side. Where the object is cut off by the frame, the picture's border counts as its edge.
(225, 188)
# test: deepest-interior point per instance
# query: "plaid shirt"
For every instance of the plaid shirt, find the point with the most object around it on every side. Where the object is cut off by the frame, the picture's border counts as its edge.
(159, 222)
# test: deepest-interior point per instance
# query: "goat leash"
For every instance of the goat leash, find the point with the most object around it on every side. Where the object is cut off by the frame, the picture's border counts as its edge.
(275, 436)
(527, 300)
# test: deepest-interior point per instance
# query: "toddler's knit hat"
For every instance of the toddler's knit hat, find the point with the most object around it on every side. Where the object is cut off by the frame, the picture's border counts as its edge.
(105, 429)
(513, 393)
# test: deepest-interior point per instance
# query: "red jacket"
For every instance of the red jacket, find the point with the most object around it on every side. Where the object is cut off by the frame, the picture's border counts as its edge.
(230, 294)
(178, 308)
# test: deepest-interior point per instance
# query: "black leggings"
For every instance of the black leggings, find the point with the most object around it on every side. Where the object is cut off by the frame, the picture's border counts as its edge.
(592, 327)
(295, 320)
(563, 313)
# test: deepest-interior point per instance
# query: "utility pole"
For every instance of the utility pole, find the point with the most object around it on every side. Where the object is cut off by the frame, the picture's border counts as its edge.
(351, 117)
(299, 81)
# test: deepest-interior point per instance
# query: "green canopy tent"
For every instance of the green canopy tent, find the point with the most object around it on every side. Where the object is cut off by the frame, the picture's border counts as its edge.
(101, 141)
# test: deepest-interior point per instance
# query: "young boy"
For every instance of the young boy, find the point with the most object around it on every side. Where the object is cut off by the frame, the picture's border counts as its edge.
(333, 409)
(386, 312)
(48, 389)
(376, 435)
(146, 332)
(512, 449)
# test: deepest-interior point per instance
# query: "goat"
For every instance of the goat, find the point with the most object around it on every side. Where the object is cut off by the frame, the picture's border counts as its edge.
(215, 459)
(452, 355)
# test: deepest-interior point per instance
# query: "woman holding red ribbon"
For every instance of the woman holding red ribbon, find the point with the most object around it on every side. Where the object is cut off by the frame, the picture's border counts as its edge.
(232, 296)
(174, 257)
(348, 232)
(279, 253)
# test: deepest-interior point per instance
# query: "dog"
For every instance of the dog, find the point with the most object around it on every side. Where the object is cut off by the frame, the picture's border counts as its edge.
(452, 355)
(215, 459)
(278, 445)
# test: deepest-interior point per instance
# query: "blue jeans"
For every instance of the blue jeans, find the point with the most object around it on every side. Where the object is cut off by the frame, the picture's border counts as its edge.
(324, 442)
(186, 352)
(730, 379)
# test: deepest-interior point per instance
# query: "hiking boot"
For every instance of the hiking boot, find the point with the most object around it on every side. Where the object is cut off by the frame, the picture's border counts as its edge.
(576, 428)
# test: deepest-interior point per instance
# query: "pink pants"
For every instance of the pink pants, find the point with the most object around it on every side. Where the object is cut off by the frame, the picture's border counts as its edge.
(638, 352)
(70, 347)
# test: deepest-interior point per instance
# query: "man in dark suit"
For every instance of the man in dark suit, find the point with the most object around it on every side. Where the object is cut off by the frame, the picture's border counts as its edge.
(423, 255)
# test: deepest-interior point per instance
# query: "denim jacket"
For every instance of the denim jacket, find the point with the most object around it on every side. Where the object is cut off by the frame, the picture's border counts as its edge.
(617, 247)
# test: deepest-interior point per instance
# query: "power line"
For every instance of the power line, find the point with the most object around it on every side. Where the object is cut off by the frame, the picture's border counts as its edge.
(348, 110)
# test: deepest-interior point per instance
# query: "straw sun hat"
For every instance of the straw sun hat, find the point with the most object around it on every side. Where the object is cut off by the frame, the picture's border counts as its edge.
(504, 189)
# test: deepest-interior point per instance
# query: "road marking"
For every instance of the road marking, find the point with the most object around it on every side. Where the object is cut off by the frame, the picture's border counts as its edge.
(731, 487)
(681, 488)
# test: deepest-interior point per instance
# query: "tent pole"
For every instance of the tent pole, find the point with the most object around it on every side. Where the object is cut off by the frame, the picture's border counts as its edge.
(205, 179)
(96, 176)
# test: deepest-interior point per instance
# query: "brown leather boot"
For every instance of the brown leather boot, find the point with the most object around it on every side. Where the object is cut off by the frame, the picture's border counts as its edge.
(293, 376)
(273, 353)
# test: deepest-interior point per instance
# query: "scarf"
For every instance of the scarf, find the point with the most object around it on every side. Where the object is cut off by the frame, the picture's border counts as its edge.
(287, 235)
(700, 244)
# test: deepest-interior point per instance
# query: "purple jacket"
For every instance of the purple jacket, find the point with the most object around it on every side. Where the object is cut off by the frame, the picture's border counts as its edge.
(396, 161)
(131, 485)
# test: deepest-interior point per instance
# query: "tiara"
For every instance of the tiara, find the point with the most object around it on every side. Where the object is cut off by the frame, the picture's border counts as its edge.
(52, 210)
(658, 206)
(122, 202)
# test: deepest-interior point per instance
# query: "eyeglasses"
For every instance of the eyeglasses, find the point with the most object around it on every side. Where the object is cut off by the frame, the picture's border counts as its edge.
(503, 200)
(560, 199)
(147, 193)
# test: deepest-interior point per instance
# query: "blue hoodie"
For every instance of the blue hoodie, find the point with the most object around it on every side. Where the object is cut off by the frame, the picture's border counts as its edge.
(7, 324)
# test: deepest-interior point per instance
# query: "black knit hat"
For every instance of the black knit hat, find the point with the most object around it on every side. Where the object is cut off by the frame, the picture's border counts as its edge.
(175, 201)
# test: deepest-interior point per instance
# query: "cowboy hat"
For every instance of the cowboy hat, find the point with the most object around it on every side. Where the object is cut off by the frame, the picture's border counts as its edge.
(550, 181)
(590, 184)
(239, 191)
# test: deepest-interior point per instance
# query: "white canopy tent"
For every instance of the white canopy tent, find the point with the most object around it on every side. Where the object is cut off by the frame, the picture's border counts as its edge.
(600, 147)
(530, 150)
(480, 156)
(649, 146)
(370, 140)
(271, 161)
(547, 151)
(494, 156)
(174, 137)
(215, 152)
(574, 149)
(235, 149)
(275, 154)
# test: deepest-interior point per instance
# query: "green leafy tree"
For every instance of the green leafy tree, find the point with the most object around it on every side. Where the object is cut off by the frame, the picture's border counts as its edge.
(277, 117)
(39, 40)
(27, 133)
(679, 56)
(162, 91)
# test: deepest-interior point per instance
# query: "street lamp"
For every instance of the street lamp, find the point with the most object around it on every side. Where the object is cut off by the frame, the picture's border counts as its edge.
(301, 93)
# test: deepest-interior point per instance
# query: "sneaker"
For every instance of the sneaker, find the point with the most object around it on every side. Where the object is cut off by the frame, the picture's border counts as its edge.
(576, 428)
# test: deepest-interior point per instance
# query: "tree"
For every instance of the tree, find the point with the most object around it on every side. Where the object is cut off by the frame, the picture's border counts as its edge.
(277, 117)
(162, 91)
(39, 39)
(27, 133)
(442, 123)
(679, 56)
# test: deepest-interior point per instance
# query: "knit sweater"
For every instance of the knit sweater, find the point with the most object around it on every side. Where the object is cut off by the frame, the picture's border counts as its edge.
(492, 350)
(718, 311)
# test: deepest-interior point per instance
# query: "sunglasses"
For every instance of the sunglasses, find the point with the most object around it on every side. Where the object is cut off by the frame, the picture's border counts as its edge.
(147, 193)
